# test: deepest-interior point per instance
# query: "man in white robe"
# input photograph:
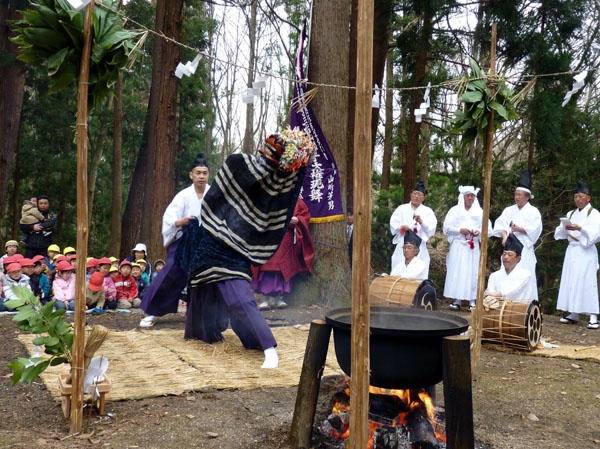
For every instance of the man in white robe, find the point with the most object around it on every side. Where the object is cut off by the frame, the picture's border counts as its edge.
(162, 296)
(524, 221)
(462, 227)
(416, 217)
(412, 267)
(578, 292)
(511, 281)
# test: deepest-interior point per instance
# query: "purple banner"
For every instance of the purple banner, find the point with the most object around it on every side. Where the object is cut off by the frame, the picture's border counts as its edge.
(321, 187)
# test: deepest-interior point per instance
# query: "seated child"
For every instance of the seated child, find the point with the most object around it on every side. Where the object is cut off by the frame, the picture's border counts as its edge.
(30, 215)
(38, 269)
(34, 280)
(14, 277)
(127, 292)
(64, 286)
(142, 263)
(114, 262)
(91, 267)
(11, 249)
(110, 292)
(142, 285)
(158, 265)
(94, 292)
(53, 251)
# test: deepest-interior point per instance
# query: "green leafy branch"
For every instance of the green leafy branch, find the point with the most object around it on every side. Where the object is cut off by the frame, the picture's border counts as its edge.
(476, 95)
(57, 335)
(51, 35)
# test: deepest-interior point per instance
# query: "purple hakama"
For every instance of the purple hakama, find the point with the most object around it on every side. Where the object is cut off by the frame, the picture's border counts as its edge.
(271, 283)
(163, 293)
(212, 306)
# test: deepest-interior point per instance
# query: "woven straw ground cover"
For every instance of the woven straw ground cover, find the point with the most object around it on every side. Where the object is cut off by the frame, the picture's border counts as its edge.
(160, 362)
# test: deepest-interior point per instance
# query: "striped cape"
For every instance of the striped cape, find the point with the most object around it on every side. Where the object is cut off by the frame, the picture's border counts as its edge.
(244, 217)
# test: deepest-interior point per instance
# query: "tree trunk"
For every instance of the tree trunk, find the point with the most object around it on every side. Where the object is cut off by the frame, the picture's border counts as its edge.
(132, 215)
(16, 188)
(12, 89)
(389, 125)
(426, 128)
(117, 171)
(382, 14)
(248, 145)
(409, 178)
(169, 20)
(95, 156)
(330, 25)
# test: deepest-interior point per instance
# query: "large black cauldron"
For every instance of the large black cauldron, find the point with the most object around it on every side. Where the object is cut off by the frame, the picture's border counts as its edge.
(405, 344)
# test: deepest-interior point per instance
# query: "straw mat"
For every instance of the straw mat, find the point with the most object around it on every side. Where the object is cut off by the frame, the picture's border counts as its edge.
(160, 362)
(590, 353)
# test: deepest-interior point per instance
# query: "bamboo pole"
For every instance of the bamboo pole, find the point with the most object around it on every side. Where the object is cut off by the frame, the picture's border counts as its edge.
(487, 190)
(82, 225)
(361, 257)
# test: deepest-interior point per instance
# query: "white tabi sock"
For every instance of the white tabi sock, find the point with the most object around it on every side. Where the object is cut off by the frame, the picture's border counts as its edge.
(593, 318)
(271, 358)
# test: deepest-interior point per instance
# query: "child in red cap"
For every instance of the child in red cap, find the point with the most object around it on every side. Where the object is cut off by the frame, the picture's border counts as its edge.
(127, 292)
(94, 292)
(64, 286)
(14, 277)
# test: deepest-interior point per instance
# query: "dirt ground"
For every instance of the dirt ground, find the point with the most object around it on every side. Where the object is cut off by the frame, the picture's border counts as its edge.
(519, 401)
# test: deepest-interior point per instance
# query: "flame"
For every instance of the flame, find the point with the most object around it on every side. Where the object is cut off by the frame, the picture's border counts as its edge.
(411, 398)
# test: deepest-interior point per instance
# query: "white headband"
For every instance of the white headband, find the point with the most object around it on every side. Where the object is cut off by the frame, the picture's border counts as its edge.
(523, 189)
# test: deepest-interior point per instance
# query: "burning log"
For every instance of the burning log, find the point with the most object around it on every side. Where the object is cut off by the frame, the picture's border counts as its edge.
(420, 428)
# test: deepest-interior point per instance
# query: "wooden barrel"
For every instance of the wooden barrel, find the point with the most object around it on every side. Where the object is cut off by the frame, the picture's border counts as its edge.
(516, 324)
(399, 291)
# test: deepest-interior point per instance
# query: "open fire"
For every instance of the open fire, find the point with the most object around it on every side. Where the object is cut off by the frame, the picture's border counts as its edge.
(398, 419)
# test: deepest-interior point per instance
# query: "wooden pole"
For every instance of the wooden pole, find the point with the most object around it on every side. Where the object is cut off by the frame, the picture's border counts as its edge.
(487, 191)
(361, 257)
(458, 393)
(82, 225)
(310, 382)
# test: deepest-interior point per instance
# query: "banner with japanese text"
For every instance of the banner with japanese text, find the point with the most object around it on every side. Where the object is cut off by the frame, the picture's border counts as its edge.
(321, 188)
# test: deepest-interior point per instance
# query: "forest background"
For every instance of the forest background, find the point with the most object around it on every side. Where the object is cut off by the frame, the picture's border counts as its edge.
(142, 139)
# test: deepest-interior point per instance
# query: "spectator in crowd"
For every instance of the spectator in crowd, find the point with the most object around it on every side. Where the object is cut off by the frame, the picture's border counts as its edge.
(38, 269)
(11, 247)
(158, 265)
(69, 251)
(138, 252)
(91, 267)
(39, 235)
(64, 286)
(114, 262)
(142, 285)
(127, 292)
(30, 215)
(53, 251)
(110, 291)
(143, 264)
(14, 278)
(28, 267)
(94, 291)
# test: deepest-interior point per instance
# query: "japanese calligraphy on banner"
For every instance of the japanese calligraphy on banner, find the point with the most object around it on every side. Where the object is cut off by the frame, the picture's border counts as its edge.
(321, 187)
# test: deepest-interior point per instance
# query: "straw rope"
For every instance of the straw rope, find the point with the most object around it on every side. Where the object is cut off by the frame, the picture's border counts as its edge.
(160, 362)
(452, 84)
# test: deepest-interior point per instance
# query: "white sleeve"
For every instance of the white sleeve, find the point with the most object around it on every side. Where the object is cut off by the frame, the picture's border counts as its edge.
(172, 214)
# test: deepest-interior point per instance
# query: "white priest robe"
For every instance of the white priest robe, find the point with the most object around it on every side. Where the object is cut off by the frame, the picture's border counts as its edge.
(578, 291)
(462, 261)
(530, 219)
(184, 204)
(519, 285)
(416, 269)
(405, 215)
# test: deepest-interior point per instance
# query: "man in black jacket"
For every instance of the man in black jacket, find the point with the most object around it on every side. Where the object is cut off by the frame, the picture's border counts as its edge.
(40, 234)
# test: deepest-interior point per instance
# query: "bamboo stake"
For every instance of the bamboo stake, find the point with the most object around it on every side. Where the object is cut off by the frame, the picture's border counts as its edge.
(82, 225)
(361, 257)
(487, 191)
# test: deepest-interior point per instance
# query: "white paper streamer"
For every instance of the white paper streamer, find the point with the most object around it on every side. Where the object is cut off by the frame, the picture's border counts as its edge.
(577, 85)
(78, 4)
(375, 101)
(419, 113)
